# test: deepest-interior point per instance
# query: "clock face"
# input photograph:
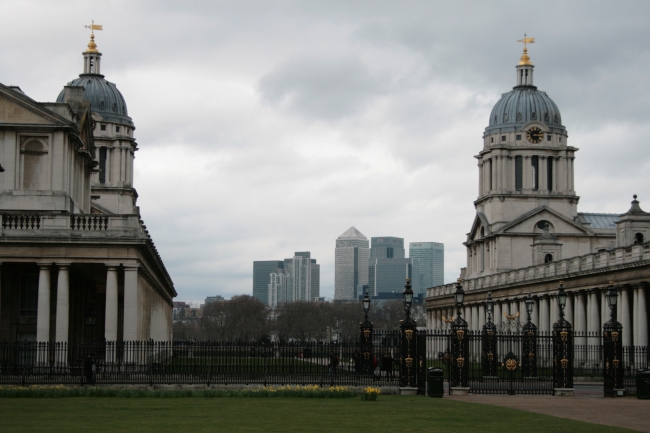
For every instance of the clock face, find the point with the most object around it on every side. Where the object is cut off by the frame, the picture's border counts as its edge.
(535, 135)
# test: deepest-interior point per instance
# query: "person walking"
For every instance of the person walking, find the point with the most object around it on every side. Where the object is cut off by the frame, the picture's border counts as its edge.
(89, 369)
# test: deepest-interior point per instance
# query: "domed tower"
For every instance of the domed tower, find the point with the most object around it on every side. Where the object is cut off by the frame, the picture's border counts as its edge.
(525, 182)
(112, 181)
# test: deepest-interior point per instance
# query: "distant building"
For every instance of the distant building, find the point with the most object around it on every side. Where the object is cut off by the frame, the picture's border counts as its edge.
(432, 262)
(350, 264)
(261, 277)
(385, 247)
(390, 275)
(210, 299)
(293, 279)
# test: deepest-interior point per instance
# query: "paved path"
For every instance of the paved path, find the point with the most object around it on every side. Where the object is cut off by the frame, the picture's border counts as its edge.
(588, 405)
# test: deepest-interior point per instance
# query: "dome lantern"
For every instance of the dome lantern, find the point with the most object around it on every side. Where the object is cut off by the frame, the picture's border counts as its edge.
(525, 67)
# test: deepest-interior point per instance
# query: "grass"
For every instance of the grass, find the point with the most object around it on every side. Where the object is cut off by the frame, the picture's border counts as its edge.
(387, 414)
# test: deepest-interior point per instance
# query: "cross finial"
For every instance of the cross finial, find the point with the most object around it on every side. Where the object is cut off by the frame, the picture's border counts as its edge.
(525, 60)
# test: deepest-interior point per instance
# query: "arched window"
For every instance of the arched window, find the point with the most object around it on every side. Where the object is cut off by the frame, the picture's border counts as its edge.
(638, 238)
(548, 258)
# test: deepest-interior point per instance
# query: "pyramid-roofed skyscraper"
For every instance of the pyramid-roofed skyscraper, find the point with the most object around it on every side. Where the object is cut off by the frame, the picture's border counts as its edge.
(351, 263)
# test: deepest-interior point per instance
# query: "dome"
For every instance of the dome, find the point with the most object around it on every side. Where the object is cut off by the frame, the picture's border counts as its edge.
(103, 96)
(522, 105)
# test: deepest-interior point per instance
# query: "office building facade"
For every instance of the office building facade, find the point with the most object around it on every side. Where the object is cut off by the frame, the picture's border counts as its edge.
(432, 262)
(350, 264)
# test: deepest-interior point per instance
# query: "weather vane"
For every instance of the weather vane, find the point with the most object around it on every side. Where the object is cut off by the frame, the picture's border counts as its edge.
(92, 46)
(525, 60)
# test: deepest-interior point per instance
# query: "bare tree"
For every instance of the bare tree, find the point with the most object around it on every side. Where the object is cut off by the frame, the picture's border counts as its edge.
(242, 318)
(304, 320)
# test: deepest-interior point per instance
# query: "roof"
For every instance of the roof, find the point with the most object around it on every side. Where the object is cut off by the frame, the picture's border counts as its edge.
(598, 220)
(103, 96)
(522, 105)
(352, 233)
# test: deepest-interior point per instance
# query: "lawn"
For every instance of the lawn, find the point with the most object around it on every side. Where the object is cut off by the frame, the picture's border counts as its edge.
(242, 414)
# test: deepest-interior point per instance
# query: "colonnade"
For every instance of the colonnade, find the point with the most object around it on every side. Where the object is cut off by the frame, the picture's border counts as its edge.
(62, 319)
(586, 309)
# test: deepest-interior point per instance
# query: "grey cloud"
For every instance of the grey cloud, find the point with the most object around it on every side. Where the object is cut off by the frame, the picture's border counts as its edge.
(319, 87)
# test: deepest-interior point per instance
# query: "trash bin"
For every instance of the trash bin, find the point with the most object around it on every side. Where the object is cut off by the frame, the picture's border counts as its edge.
(643, 384)
(435, 385)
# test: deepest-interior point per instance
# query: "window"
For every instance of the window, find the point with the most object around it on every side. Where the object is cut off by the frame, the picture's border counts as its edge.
(548, 258)
(102, 165)
(490, 172)
(518, 173)
(534, 163)
(549, 174)
(491, 139)
(503, 138)
(28, 294)
(559, 139)
(638, 238)
(117, 129)
(548, 137)
(102, 127)
(518, 136)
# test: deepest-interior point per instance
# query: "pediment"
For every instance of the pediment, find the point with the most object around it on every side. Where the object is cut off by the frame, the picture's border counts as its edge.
(559, 223)
(480, 222)
(16, 108)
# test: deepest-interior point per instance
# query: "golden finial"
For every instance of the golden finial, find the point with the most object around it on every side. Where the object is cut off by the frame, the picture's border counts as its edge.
(92, 46)
(525, 60)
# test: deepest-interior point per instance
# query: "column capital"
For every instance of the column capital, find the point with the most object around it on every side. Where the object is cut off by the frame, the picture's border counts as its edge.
(112, 265)
(44, 266)
(63, 264)
(131, 266)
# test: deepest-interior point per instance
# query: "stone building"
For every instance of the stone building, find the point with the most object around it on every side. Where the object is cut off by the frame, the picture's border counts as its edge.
(76, 260)
(528, 234)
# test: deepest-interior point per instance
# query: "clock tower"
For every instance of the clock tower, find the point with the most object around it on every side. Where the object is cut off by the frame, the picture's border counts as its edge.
(526, 172)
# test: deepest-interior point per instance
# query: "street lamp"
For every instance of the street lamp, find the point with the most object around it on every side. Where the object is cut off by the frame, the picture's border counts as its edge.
(459, 296)
(561, 299)
(612, 299)
(489, 304)
(407, 298)
(530, 304)
(366, 305)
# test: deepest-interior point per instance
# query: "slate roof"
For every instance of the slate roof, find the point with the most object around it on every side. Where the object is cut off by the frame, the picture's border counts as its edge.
(598, 220)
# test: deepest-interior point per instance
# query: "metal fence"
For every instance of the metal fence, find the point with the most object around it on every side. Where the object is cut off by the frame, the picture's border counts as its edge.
(280, 363)
(191, 362)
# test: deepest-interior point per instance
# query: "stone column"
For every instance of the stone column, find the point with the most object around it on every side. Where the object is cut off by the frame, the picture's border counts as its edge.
(480, 179)
(110, 324)
(542, 178)
(525, 172)
(624, 315)
(635, 315)
(0, 292)
(544, 315)
(497, 313)
(481, 315)
(475, 317)
(593, 317)
(554, 310)
(43, 317)
(131, 305)
(642, 313)
(605, 311)
(62, 304)
(580, 319)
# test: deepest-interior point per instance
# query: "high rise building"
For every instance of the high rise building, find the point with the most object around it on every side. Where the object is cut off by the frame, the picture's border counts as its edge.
(350, 263)
(432, 262)
(390, 275)
(385, 247)
(262, 271)
(294, 279)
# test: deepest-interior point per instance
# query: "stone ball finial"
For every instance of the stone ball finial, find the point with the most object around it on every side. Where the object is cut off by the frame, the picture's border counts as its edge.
(634, 196)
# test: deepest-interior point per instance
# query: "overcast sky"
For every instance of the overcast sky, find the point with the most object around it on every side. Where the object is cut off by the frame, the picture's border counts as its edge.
(266, 128)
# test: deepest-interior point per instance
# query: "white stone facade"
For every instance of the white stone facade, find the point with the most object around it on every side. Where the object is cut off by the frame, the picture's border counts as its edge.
(76, 261)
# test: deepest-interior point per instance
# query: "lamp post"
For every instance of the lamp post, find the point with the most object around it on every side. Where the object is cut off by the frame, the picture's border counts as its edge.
(459, 343)
(529, 335)
(613, 349)
(562, 349)
(365, 337)
(489, 341)
(408, 356)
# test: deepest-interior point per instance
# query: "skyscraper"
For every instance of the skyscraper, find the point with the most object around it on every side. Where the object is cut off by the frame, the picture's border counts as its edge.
(390, 275)
(262, 271)
(432, 262)
(350, 263)
(385, 247)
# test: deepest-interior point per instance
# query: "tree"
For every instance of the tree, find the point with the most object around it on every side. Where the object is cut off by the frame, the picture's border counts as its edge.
(242, 318)
(304, 320)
